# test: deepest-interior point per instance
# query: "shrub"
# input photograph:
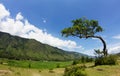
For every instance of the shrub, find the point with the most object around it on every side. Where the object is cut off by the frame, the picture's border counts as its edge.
(82, 60)
(76, 62)
(58, 66)
(29, 65)
(75, 71)
(107, 60)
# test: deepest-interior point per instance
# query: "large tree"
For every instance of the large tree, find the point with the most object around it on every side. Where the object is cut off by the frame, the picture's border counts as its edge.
(84, 28)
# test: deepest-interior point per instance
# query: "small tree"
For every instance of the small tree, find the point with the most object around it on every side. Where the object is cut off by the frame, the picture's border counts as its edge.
(84, 28)
(98, 53)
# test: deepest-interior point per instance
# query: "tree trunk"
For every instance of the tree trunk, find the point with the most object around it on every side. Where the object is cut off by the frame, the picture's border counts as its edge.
(104, 44)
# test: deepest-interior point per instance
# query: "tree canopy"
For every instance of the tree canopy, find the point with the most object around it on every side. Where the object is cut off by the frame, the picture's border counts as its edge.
(84, 28)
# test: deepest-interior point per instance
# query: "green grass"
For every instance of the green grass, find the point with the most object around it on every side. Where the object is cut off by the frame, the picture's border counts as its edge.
(36, 64)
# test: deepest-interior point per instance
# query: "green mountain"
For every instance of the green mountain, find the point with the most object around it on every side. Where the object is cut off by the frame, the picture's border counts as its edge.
(14, 47)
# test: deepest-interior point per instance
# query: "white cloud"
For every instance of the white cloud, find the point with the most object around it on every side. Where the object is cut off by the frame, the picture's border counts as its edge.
(3, 12)
(116, 37)
(22, 27)
(19, 16)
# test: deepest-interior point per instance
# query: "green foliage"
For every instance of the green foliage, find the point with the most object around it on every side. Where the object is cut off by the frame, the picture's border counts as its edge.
(98, 53)
(107, 60)
(89, 59)
(75, 71)
(76, 62)
(13, 47)
(58, 65)
(82, 28)
(83, 59)
(29, 65)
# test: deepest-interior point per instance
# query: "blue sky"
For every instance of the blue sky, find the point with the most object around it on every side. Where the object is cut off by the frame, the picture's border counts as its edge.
(51, 16)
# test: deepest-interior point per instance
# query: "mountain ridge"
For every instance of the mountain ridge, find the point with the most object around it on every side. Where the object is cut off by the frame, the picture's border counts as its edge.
(15, 47)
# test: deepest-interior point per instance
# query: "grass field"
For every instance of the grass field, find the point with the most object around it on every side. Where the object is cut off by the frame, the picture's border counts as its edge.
(37, 69)
(36, 64)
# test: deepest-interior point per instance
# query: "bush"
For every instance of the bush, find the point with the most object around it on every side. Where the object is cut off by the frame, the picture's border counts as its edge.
(75, 71)
(82, 60)
(76, 62)
(58, 66)
(107, 60)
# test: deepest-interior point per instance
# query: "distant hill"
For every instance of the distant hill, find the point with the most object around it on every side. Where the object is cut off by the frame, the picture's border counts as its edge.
(14, 47)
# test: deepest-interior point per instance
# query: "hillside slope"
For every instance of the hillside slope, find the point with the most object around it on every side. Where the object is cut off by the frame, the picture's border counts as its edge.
(14, 47)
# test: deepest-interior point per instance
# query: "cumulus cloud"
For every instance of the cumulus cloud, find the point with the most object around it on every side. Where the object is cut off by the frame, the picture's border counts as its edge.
(23, 28)
(116, 37)
(19, 16)
(3, 12)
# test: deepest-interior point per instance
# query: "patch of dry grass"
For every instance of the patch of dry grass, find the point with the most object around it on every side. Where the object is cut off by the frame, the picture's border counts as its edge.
(15, 71)
(104, 70)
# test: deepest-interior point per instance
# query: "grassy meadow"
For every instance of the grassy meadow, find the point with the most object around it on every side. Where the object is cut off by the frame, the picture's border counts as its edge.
(52, 68)
(35, 64)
